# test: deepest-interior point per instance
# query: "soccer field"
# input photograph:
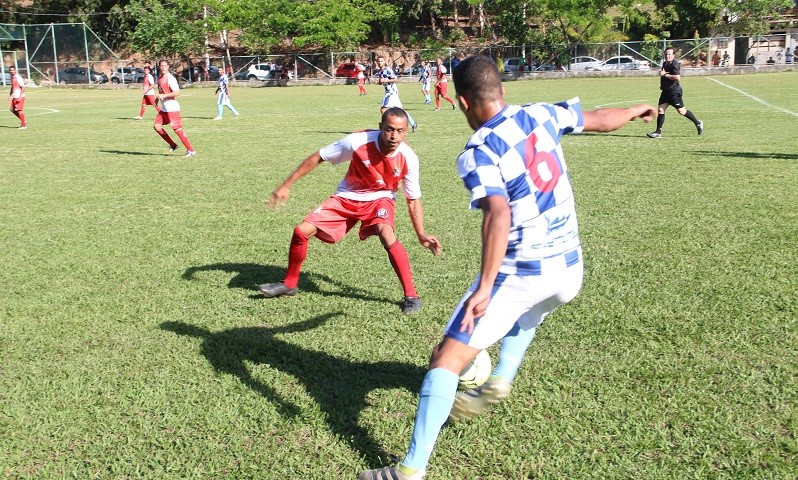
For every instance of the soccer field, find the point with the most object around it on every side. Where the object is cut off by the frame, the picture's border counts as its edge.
(133, 343)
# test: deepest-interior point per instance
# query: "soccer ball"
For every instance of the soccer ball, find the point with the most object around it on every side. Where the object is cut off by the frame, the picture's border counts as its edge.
(477, 371)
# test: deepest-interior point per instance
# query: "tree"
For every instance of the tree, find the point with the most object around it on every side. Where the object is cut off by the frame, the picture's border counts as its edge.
(166, 32)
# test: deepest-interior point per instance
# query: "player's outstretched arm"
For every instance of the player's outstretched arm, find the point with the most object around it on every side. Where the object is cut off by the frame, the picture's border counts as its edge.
(609, 119)
(281, 193)
(416, 211)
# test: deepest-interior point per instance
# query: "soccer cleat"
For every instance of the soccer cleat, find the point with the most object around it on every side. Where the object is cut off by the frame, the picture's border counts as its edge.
(270, 290)
(137, 117)
(390, 473)
(474, 401)
(172, 149)
(411, 305)
(454, 107)
(235, 116)
(22, 127)
(190, 153)
(437, 109)
(414, 127)
(700, 127)
(217, 118)
(427, 102)
(654, 135)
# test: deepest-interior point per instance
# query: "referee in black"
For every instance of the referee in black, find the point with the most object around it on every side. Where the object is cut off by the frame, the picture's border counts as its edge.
(671, 94)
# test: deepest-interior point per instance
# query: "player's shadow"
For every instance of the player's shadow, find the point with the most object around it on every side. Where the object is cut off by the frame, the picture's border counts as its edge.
(122, 152)
(339, 386)
(248, 276)
(751, 155)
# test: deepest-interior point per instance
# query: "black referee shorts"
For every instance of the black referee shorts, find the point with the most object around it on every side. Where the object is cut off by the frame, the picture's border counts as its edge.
(672, 97)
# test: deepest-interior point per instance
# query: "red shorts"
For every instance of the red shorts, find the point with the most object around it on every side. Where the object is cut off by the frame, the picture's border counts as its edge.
(149, 100)
(361, 81)
(441, 88)
(172, 118)
(17, 104)
(336, 216)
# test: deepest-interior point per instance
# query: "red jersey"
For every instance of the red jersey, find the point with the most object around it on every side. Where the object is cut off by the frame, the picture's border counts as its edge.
(371, 174)
(441, 74)
(17, 86)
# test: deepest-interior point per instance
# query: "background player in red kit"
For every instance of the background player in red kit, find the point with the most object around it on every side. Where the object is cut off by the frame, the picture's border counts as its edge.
(378, 160)
(168, 90)
(148, 84)
(16, 98)
(441, 85)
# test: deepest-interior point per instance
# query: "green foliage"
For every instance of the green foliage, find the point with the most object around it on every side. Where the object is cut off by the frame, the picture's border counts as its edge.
(166, 32)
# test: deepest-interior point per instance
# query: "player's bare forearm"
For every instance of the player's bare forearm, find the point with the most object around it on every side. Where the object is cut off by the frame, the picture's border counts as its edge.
(495, 231)
(609, 119)
(281, 193)
(416, 213)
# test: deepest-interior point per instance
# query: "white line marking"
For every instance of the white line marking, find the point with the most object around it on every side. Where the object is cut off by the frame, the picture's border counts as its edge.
(775, 107)
(620, 103)
(48, 112)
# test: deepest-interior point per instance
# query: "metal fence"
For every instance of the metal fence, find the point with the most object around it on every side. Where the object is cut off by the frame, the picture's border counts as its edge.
(43, 53)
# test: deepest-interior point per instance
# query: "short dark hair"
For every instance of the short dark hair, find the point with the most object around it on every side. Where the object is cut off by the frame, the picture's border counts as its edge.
(394, 112)
(477, 78)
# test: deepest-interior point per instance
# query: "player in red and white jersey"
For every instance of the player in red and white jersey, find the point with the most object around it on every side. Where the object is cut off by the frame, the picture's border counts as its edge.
(361, 78)
(148, 84)
(441, 86)
(16, 98)
(378, 161)
(168, 90)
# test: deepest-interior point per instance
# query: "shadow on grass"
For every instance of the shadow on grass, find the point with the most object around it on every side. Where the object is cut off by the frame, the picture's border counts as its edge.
(249, 275)
(122, 152)
(752, 155)
(339, 386)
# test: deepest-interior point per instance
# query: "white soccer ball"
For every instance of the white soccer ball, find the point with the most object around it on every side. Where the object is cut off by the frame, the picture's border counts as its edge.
(477, 371)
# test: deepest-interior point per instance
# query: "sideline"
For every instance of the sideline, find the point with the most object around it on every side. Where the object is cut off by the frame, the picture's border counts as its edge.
(48, 112)
(775, 107)
(632, 102)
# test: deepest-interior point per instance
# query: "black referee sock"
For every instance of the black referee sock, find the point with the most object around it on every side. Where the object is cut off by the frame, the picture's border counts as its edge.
(692, 118)
(660, 121)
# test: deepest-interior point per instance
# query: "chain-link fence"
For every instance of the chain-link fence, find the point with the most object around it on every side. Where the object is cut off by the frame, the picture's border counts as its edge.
(72, 53)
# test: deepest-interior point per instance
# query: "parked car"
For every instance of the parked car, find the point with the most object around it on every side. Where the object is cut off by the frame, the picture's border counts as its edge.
(515, 64)
(127, 75)
(583, 62)
(348, 70)
(623, 62)
(264, 72)
(81, 75)
(213, 74)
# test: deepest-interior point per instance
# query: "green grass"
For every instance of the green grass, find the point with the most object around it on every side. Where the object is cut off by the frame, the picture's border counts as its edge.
(133, 344)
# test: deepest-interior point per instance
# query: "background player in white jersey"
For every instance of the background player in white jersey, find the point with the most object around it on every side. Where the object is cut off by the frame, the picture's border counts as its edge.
(387, 78)
(671, 94)
(168, 91)
(442, 85)
(148, 85)
(16, 97)
(424, 79)
(223, 92)
(514, 169)
(378, 161)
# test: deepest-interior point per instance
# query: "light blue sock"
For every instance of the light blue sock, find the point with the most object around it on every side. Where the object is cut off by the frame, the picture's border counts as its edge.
(426, 97)
(232, 108)
(410, 119)
(435, 401)
(219, 114)
(514, 346)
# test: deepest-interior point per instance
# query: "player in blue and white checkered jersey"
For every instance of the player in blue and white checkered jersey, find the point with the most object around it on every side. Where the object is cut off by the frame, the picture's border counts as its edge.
(514, 169)
(387, 78)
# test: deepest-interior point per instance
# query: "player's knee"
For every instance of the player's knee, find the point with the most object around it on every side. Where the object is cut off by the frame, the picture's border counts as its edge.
(158, 128)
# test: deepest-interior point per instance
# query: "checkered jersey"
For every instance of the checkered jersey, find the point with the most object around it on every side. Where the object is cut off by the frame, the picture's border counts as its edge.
(517, 154)
(388, 73)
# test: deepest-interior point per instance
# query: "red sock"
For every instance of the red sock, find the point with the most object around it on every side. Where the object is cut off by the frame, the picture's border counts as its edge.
(166, 137)
(297, 253)
(183, 138)
(401, 265)
(437, 101)
(141, 113)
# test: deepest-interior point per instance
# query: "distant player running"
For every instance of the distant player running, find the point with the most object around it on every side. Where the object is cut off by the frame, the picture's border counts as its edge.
(168, 90)
(361, 78)
(148, 83)
(378, 161)
(669, 76)
(387, 78)
(441, 86)
(424, 79)
(223, 92)
(16, 98)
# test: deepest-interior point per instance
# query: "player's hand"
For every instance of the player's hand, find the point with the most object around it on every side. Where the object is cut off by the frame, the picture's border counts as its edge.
(432, 243)
(278, 198)
(647, 113)
(474, 308)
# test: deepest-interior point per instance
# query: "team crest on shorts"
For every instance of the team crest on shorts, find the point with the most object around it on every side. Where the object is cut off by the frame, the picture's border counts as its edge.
(382, 213)
(396, 172)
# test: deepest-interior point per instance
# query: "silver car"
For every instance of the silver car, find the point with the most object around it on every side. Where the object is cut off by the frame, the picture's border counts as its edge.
(622, 62)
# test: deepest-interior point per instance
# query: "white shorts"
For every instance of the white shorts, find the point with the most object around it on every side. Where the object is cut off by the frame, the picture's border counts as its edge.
(391, 100)
(521, 299)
